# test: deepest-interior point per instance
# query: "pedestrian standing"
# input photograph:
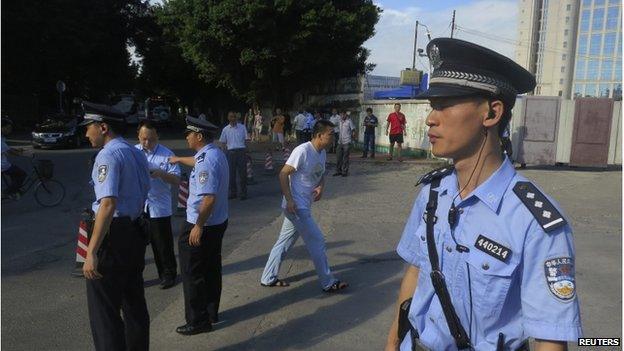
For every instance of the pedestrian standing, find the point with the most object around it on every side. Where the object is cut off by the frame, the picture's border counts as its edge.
(249, 122)
(370, 123)
(115, 259)
(309, 124)
(288, 127)
(491, 257)
(233, 136)
(278, 129)
(16, 174)
(346, 136)
(396, 124)
(158, 205)
(202, 234)
(258, 124)
(300, 122)
(335, 120)
(302, 182)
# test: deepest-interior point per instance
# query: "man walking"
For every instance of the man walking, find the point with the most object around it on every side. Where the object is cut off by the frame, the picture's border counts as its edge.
(370, 123)
(346, 135)
(300, 121)
(115, 258)
(278, 129)
(158, 204)
(202, 234)
(396, 124)
(233, 136)
(302, 180)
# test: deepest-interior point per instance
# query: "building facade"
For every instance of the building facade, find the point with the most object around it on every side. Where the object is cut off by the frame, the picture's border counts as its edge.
(572, 46)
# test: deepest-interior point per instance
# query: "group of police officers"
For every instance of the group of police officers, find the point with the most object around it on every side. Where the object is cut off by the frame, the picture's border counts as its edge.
(490, 257)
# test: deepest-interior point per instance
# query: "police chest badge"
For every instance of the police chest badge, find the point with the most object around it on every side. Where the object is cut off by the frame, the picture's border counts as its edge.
(559, 273)
(203, 177)
(434, 57)
(102, 172)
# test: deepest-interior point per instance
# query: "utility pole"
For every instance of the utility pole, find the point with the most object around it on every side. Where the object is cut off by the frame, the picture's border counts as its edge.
(415, 46)
(453, 24)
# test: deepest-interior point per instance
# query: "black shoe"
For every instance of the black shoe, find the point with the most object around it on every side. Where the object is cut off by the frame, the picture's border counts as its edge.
(192, 329)
(167, 283)
(336, 174)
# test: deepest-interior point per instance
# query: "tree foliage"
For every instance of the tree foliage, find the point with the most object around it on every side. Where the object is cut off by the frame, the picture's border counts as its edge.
(259, 49)
(82, 42)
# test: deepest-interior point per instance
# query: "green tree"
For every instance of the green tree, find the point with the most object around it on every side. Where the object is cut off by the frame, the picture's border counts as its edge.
(267, 50)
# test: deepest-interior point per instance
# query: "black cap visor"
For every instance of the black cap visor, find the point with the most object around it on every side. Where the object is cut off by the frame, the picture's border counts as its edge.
(447, 90)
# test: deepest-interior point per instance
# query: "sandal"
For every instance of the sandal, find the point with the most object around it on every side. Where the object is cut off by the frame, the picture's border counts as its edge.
(276, 283)
(337, 286)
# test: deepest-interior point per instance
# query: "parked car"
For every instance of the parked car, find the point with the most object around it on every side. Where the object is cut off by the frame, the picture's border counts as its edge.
(58, 130)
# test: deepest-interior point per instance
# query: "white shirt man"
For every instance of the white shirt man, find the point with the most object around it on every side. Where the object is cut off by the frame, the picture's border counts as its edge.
(234, 135)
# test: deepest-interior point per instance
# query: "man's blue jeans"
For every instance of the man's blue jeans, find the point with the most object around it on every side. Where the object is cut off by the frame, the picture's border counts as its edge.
(294, 225)
(369, 144)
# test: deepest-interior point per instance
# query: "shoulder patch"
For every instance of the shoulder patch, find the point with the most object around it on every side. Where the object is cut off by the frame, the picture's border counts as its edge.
(559, 274)
(540, 207)
(436, 173)
(102, 172)
(201, 157)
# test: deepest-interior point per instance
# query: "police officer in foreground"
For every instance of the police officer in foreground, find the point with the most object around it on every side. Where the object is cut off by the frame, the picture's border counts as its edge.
(116, 252)
(491, 257)
(202, 234)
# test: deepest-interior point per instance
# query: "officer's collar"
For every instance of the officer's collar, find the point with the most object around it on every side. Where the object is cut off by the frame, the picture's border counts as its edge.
(204, 149)
(491, 191)
(114, 141)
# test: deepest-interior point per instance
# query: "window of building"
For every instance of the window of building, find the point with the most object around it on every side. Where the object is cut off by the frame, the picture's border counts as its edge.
(614, 2)
(565, 44)
(599, 3)
(567, 20)
(565, 32)
(579, 90)
(590, 90)
(587, 3)
(560, 93)
(609, 44)
(561, 81)
(594, 44)
(617, 91)
(606, 69)
(579, 73)
(564, 57)
(612, 18)
(582, 44)
(617, 71)
(568, 7)
(585, 20)
(598, 19)
(592, 69)
(604, 90)
(562, 69)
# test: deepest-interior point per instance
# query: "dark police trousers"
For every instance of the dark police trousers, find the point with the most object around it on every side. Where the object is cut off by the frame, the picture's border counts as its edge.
(161, 240)
(121, 261)
(238, 164)
(200, 267)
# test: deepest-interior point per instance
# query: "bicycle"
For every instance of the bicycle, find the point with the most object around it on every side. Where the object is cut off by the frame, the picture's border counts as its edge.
(48, 192)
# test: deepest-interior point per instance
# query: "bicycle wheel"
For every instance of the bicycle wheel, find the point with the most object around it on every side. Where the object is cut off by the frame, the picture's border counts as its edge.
(49, 192)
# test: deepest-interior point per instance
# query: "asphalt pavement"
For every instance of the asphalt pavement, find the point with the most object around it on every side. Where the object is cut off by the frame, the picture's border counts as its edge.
(362, 216)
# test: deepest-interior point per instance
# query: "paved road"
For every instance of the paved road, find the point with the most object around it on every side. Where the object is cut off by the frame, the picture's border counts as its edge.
(362, 217)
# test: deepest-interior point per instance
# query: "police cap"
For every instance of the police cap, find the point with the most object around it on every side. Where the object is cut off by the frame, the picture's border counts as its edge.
(101, 113)
(461, 68)
(199, 125)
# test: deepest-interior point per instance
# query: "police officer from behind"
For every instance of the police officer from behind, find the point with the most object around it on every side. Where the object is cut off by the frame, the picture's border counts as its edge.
(202, 234)
(158, 204)
(491, 257)
(116, 252)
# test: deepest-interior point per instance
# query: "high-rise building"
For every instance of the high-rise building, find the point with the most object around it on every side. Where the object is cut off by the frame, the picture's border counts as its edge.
(572, 46)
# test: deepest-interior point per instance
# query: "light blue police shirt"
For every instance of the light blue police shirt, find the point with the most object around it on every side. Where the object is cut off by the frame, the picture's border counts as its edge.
(210, 176)
(159, 197)
(121, 171)
(513, 296)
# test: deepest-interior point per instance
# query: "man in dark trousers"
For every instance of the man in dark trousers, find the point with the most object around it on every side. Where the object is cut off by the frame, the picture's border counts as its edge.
(116, 252)
(158, 204)
(233, 137)
(206, 222)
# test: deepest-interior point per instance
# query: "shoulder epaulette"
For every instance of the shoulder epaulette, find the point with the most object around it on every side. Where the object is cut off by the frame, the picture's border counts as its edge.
(540, 207)
(201, 157)
(436, 173)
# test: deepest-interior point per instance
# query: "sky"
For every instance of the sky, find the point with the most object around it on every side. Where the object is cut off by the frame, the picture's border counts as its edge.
(495, 23)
